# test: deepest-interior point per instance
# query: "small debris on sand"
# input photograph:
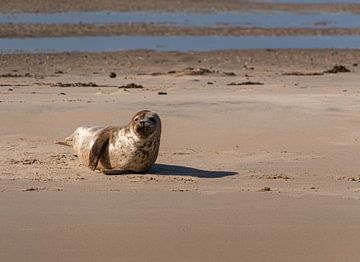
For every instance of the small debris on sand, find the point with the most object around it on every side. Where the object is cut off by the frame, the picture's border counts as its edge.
(278, 176)
(162, 93)
(15, 75)
(303, 74)
(245, 83)
(30, 161)
(156, 74)
(229, 73)
(77, 84)
(197, 71)
(131, 86)
(265, 189)
(350, 178)
(13, 85)
(337, 69)
(314, 188)
(112, 75)
(192, 71)
(180, 190)
(37, 189)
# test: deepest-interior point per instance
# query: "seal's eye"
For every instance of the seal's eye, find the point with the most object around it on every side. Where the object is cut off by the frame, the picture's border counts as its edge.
(136, 119)
(152, 119)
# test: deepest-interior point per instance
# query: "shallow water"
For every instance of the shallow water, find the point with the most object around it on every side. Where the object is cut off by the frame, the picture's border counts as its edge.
(269, 19)
(173, 43)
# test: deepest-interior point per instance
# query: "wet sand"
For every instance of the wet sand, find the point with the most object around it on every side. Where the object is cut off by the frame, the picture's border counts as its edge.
(56, 30)
(49, 6)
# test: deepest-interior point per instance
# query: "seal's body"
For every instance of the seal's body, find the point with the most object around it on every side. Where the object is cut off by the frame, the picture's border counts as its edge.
(132, 148)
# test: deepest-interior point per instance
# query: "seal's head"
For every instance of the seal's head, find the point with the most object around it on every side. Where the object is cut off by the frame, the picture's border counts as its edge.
(145, 123)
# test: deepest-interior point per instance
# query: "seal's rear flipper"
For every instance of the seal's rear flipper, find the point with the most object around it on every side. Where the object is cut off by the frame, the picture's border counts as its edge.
(64, 143)
(67, 142)
(101, 140)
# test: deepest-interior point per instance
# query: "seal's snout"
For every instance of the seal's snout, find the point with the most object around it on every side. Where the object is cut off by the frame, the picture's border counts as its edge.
(142, 123)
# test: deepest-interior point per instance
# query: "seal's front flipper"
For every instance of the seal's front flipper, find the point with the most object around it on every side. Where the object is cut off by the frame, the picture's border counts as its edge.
(101, 140)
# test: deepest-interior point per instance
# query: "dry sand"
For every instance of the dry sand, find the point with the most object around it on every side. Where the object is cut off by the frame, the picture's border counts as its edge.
(246, 172)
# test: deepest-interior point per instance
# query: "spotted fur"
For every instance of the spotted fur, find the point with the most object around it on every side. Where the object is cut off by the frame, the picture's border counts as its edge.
(132, 148)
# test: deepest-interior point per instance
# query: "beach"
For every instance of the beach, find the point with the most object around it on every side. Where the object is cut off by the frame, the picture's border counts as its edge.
(258, 158)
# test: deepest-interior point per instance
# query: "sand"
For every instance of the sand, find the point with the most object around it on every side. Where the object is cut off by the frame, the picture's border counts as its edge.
(57, 30)
(258, 161)
(265, 172)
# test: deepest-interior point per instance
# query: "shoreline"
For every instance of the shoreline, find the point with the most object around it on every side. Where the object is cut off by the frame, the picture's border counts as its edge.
(282, 58)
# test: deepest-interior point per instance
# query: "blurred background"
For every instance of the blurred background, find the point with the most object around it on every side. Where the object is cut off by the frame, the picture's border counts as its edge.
(113, 25)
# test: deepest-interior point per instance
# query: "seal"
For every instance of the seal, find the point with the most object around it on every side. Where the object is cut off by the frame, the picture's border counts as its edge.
(111, 149)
